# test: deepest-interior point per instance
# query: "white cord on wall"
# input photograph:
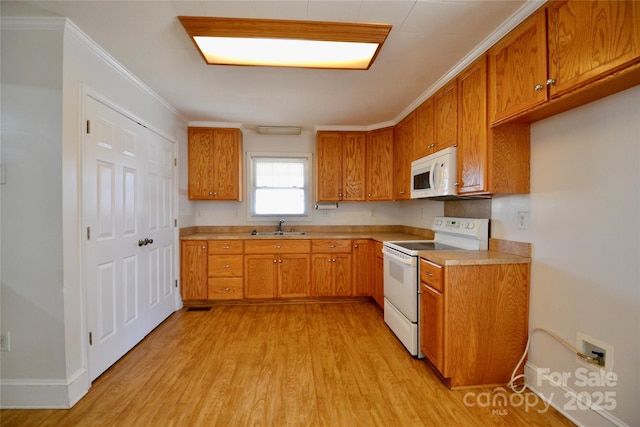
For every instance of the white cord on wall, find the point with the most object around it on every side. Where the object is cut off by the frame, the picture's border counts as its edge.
(514, 378)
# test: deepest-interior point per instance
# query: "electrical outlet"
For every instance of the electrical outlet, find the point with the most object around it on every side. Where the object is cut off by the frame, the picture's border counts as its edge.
(522, 220)
(5, 341)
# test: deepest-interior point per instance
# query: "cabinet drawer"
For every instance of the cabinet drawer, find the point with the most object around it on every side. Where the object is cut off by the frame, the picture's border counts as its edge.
(331, 246)
(277, 246)
(431, 274)
(225, 288)
(225, 266)
(224, 247)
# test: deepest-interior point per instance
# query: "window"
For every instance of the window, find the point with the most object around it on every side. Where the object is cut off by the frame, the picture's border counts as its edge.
(279, 185)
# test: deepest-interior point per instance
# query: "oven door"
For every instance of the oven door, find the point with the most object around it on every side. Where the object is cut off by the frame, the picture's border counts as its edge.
(401, 282)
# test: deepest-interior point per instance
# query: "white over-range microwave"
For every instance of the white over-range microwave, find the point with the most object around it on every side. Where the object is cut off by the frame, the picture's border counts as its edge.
(435, 175)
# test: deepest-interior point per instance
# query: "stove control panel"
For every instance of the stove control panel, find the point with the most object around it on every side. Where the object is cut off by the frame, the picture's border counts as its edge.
(477, 227)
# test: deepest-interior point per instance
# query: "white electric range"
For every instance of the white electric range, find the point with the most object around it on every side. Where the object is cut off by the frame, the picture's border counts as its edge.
(402, 276)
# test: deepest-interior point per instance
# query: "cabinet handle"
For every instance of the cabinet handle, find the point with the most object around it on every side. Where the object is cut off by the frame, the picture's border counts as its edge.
(428, 273)
(332, 246)
(280, 261)
(225, 289)
(355, 246)
(203, 247)
(402, 192)
(538, 87)
(226, 266)
(225, 247)
(275, 260)
(277, 246)
(551, 82)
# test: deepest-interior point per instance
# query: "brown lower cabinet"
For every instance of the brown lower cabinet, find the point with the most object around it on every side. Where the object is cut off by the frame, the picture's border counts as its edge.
(362, 257)
(193, 269)
(280, 268)
(277, 268)
(377, 292)
(474, 321)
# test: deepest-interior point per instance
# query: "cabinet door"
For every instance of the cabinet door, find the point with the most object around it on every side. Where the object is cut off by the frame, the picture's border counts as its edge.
(322, 275)
(379, 165)
(329, 166)
(472, 137)
(362, 267)
(402, 152)
(518, 69)
(201, 167)
(215, 164)
(260, 276)
(227, 154)
(446, 116)
(378, 275)
(588, 39)
(193, 269)
(342, 273)
(432, 326)
(294, 273)
(353, 166)
(424, 143)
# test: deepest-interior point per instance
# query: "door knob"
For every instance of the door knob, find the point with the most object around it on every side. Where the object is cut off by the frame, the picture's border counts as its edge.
(147, 241)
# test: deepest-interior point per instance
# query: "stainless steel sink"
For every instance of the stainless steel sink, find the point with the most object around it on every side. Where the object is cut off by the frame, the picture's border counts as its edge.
(278, 233)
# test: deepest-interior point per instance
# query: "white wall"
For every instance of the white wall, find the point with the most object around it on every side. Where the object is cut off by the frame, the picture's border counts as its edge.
(32, 304)
(584, 211)
(417, 213)
(42, 299)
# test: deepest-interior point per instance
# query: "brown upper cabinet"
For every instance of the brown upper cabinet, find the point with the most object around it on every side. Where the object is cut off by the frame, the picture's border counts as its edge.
(590, 38)
(446, 116)
(379, 165)
(425, 142)
(566, 54)
(341, 166)
(490, 160)
(215, 164)
(436, 120)
(518, 69)
(403, 140)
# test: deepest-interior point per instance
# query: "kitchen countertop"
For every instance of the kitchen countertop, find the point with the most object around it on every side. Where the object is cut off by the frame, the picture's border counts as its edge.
(473, 257)
(379, 236)
(378, 233)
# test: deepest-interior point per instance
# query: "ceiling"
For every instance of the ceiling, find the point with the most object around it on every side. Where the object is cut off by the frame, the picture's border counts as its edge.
(429, 39)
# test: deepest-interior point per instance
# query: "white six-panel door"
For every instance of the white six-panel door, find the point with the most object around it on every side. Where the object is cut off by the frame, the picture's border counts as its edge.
(130, 242)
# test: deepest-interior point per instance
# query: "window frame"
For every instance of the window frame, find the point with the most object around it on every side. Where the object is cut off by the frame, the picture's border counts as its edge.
(251, 187)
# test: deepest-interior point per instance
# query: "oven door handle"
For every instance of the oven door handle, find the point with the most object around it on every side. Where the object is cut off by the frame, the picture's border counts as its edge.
(398, 257)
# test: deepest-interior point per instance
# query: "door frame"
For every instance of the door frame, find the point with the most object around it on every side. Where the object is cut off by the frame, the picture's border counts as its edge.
(85, 93)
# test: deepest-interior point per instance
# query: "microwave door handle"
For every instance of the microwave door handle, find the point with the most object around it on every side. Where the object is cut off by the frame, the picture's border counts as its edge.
(432, 175)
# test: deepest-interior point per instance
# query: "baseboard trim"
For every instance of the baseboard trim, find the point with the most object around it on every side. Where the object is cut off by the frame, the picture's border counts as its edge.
(44, 394)
(563, 399)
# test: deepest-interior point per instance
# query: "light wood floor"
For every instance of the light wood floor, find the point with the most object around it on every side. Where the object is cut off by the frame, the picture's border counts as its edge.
(313, 364)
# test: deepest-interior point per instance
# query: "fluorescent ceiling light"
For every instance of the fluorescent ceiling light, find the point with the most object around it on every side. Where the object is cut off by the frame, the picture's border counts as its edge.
(279, 130)
(268, 42)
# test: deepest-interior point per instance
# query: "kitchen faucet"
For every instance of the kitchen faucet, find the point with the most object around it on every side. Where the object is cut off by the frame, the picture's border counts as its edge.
(280, 226)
